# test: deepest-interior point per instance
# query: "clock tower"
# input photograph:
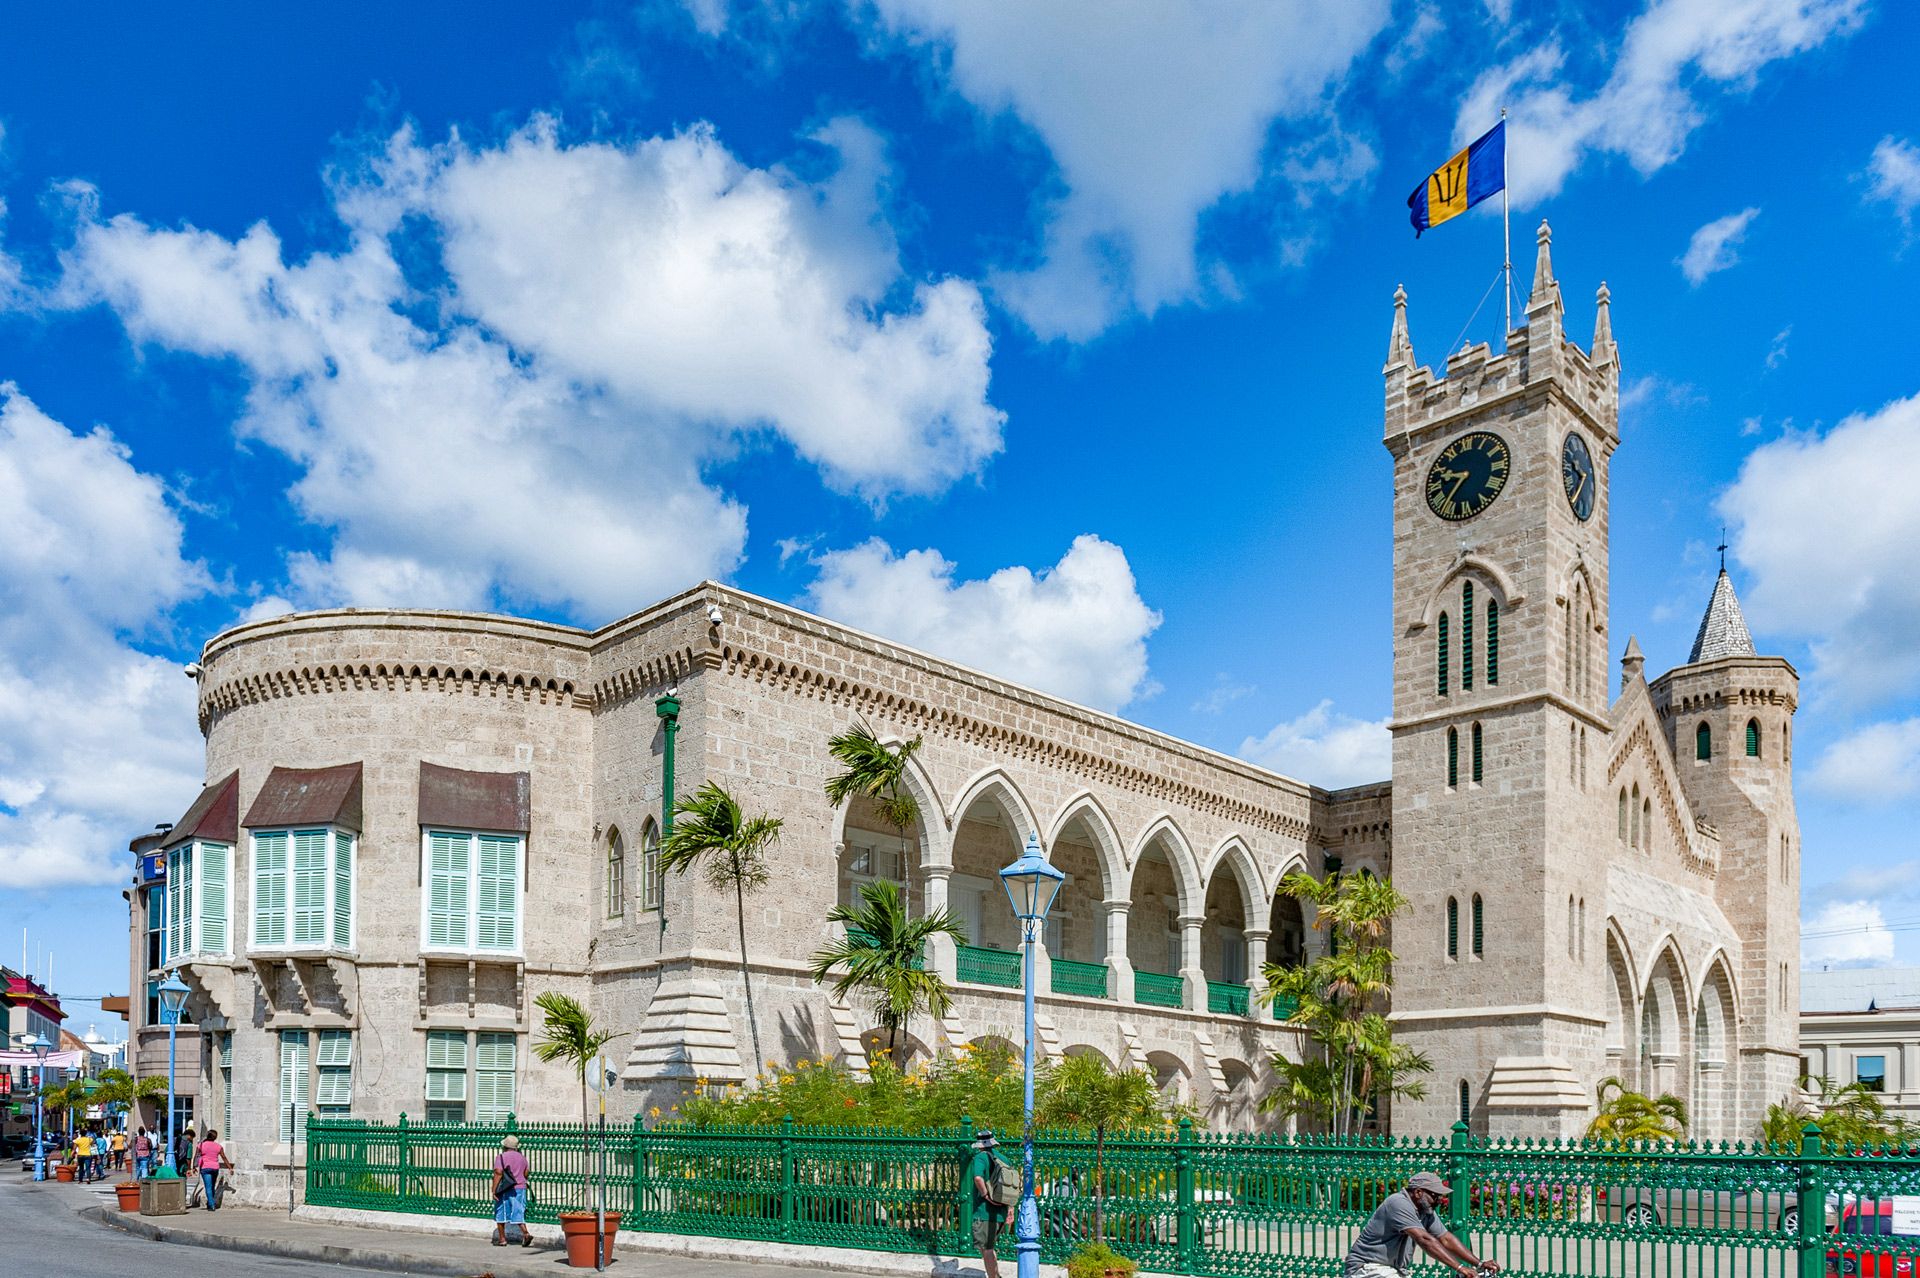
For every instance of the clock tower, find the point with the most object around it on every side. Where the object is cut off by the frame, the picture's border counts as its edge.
(1500, 716)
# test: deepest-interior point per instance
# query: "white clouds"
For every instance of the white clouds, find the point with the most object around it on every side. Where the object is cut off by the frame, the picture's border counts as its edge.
(97, 739)
(613, 317)
(1894, 172)
(1777, 351)
(1714, 246)
(1223, 694)
(1877, 764)
(1078, 629)
(1152, 114)
(1846, 934)
(1670, 56)
(1827, 525)
(1325, 748)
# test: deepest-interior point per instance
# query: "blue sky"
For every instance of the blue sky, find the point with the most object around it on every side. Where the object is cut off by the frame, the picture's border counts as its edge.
(1046, 337)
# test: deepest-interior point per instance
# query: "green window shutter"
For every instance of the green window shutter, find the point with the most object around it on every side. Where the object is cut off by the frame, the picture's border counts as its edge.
(178, 869)
(1493, 642)
(1478, 932)
(343, 891)
(336, 1049)
(448, 869)
(1466, 635)
(270, 888)
(1466, 1101)
(1753, 738)
(214, 859)
(333, 1088)
(309, 887)
(295, 1062)
(1453, 758)
(493, 1056)
(1703, 742)
(1453, 928)
(1443, 666)
(496, 921)
(1476, 754)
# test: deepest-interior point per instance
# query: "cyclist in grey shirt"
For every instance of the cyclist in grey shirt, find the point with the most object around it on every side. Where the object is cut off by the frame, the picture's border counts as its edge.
(1404, 1221)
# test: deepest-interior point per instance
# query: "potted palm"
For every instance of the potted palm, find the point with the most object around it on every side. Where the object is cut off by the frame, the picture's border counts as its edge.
(570, 1037)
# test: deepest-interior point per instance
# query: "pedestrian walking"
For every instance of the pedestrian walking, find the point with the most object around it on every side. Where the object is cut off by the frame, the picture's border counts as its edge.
(181, 1155)
(1403, 1222)
(510, 1177)
(119, 1148)
(211, 1159)
(83, 1157)
(142, 1154)
(989, 1211)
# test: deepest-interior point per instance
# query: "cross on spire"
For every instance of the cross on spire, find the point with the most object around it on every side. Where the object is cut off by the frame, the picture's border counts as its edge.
(1722, 548)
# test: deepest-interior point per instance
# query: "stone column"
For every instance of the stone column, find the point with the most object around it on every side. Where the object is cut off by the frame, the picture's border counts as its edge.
(1042, 961)
(941, 954)
(1256, 983)
(1191, 971)
(1119, 966)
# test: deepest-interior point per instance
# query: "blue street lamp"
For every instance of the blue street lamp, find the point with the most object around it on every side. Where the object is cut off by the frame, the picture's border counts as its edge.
(39, 1047)
(1031, 884)
(173, 997)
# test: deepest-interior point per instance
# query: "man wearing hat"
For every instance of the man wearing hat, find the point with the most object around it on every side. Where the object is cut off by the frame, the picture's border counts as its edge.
(1407, 1220)
(989, 1217)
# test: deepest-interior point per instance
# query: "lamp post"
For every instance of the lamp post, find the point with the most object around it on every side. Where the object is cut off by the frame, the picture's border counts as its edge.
(173, 997)
(39, 1047)
(1031, 883)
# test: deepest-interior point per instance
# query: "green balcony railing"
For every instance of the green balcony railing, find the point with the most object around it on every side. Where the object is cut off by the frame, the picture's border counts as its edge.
(1088, 980)
(861, 934)
(1227, 999)
(1284, 1006)
(1157, 989)
(987, 967)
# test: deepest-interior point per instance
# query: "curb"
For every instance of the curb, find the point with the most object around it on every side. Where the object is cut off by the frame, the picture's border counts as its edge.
(354, 1257)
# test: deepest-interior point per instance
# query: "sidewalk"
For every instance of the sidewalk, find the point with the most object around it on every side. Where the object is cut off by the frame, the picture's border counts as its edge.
(450, 1248)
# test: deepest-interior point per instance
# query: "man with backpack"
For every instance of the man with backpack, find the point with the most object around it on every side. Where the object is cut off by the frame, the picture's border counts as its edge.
(996, 1188)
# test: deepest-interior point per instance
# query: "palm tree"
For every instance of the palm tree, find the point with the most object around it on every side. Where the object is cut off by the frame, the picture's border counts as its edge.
(881, 953)
(568, 1035)
(1083, 1094)
(711, 829)
(878, 771)
(1629, 1116)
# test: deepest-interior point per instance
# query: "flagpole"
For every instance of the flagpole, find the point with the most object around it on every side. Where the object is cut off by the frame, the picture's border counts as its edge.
(1506, 240)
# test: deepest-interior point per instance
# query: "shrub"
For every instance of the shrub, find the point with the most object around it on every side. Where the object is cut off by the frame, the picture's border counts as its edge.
(1097, 1259)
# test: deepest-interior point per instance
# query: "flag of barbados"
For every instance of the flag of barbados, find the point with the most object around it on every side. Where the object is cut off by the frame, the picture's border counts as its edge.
(1462, 182)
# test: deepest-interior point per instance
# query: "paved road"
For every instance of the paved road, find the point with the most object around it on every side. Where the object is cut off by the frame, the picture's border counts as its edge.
(48, 1239)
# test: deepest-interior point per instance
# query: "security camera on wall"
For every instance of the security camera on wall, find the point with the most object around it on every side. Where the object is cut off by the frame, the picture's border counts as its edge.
(714, 615)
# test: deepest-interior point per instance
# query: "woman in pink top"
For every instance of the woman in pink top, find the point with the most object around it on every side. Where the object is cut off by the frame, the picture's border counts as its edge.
(209, 1159)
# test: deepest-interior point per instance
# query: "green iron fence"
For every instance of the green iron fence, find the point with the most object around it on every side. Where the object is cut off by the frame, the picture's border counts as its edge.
(1089, 980)
(1226, 1206)
(1228, 999)
(1157, 989)
(987, 967)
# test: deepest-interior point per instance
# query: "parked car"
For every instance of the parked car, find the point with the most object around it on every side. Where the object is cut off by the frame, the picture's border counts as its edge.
(1852, 1255)
(1646, 1206)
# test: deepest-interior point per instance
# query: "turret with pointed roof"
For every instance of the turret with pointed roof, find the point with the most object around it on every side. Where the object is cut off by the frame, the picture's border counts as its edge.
(1723, 630)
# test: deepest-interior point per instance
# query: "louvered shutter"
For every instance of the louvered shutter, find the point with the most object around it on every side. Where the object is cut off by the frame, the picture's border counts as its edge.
(343, 891)
(333, 1092)
(448, 862)
(214, 859)
(309, 887)
(179, 872)
(446, 1065)
(270, 888)
(499, 897)
(493, 1077)
(295, 1061)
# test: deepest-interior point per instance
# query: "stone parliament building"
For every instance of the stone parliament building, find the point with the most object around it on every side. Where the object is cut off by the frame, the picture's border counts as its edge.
(416, 822)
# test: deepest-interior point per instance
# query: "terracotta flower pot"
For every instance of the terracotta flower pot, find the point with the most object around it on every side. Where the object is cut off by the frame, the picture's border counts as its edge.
(577, 1227)
(129, 1191)
(63, 1171)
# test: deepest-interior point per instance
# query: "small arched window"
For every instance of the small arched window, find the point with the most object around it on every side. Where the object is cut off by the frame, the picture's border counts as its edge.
(1478, 919)
(1634, 808)
(616, 875)
(1493, 642)
(652, 888)
(1476, 754)
(1453, 928)
(1573, 930)
(1466, 1101)
(1453, 757)
(1646, 822)
(1466, 635)
(1753, 738)
(1703, 741)
(1623, 814)
(1443, 655)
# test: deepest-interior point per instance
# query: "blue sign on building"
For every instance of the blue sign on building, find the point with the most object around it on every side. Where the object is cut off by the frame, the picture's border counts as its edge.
(153, 867)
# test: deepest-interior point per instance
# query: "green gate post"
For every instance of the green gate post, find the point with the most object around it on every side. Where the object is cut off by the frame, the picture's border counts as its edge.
(786, 1175)
(963, 1210)
(638, 1142)
(406, 1164)
(1812, 1204)
(1185, 1257)
(1459, 1203)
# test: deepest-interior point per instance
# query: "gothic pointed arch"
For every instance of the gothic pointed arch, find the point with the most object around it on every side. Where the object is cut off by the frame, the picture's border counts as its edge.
(1179, 853)
(936, 844)
(1510, 596)
(994, 785)
(1234, 854)
(1106, 839)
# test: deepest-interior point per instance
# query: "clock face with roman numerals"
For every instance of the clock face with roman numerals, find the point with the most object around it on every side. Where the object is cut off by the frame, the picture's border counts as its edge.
(1576, 473)
(1468, 474)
